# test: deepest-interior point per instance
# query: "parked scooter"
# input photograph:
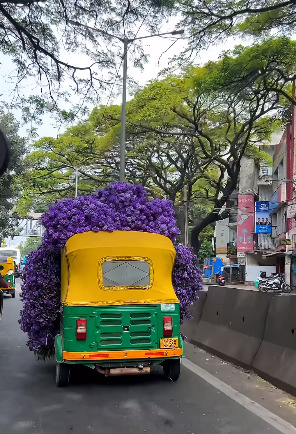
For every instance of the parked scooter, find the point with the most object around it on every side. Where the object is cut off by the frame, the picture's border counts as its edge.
(220, 279)
(276, 282)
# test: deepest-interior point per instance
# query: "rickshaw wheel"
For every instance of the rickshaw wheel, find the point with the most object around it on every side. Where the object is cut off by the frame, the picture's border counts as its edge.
(171, 369)
(62, 374)
(13, 294)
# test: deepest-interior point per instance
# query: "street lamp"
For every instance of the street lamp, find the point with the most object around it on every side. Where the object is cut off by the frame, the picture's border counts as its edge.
(125, 42)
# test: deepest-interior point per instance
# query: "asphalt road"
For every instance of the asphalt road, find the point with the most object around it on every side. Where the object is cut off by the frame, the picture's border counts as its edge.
(30, 403)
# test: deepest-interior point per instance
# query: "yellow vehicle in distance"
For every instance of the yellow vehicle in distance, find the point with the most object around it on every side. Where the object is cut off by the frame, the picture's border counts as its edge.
(7, 271)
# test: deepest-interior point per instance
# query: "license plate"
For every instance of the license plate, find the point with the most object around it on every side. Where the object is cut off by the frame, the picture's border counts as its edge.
(169, 343)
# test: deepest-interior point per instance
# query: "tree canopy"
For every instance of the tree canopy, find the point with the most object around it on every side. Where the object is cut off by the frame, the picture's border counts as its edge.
(29, 245)
(186, 134)
(79, 40)
(8, 186)
(212, 21)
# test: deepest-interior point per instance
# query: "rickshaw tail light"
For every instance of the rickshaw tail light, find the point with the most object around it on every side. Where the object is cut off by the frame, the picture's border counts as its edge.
(167, 326)
(81, 327)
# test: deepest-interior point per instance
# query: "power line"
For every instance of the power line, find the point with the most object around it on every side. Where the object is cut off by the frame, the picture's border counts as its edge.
(144, 19)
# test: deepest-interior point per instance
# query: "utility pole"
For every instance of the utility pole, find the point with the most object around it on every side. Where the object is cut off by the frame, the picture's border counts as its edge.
(76, 182)
(126, 41)
(123, 112)
(186, 216)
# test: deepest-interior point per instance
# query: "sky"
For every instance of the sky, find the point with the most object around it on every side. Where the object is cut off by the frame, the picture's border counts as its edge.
(159, 51)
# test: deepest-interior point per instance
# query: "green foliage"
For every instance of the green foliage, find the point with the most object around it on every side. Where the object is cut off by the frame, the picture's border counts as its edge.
(185, 138)
(8, 186)
(52, 164)
(231, 250)
(199, 209)
(212, 21)
(29, 245)
(205, 251)
(36, 35)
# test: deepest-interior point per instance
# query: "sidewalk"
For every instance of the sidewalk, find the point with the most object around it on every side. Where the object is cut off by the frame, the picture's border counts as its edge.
(242, 286)
(247, 288)
(232, 285)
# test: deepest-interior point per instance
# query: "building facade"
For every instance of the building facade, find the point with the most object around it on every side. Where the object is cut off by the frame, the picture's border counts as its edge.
(252, 234)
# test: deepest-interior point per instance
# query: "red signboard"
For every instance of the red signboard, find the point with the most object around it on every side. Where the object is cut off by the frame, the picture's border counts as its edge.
(245, 223)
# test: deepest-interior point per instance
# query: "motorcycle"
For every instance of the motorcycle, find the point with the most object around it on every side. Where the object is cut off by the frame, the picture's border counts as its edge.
(275, 282)
(220, 279)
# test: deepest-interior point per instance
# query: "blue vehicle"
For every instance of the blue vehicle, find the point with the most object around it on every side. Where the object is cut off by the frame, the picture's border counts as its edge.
(212, 266)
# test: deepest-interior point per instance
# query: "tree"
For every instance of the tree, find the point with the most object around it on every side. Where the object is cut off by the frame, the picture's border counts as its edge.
(186, 135)
(8, 187)
(52, 164)
(205, 251)
(164, 167)
(29, 245)
(40, 35)
(234, 104)
(212, 21)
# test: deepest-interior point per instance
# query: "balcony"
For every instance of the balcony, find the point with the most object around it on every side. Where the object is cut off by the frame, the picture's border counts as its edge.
(265, 174)
(264, 242)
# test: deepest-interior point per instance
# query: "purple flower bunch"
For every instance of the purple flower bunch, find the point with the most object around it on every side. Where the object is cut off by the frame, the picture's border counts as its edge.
(119, 206)
(187, 279)
(41, 300)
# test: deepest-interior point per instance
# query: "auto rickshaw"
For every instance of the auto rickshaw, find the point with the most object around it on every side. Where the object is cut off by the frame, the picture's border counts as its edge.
(119, 310)
(7, 271)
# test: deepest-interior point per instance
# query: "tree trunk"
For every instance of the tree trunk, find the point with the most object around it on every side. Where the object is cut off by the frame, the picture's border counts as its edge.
(210, 218)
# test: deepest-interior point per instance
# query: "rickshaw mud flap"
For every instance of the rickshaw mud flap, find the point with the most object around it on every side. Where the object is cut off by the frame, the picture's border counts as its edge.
(113, 372)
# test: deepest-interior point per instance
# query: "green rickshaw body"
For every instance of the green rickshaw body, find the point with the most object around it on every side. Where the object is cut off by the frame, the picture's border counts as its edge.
(119, 310)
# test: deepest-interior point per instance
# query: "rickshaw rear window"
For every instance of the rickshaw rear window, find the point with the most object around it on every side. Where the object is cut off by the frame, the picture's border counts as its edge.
(131, 274)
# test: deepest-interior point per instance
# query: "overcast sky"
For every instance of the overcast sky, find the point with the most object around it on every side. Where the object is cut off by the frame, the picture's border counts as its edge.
(159, 54)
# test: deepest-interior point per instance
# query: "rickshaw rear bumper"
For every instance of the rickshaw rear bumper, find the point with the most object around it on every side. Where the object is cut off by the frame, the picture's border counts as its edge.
(7, 290)
(121, 355)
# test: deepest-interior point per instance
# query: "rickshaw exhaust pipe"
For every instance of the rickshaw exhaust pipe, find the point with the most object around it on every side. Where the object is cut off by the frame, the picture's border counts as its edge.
(112, 372)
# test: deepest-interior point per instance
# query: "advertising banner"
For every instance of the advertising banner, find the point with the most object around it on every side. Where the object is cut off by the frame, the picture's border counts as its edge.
(263, 218)
(245, 223)
(222, 236)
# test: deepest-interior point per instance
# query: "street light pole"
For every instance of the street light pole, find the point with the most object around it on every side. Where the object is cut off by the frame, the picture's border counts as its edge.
(76, 182)
(126, 41)
(123, 112)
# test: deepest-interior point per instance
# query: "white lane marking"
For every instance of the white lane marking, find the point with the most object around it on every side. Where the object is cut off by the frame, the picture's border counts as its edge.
(275, 421)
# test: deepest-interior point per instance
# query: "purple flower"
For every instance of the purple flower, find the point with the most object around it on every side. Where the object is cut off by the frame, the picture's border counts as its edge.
(119, 206)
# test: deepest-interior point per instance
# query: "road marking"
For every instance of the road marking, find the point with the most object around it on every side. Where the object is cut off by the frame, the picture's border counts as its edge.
(275, 421)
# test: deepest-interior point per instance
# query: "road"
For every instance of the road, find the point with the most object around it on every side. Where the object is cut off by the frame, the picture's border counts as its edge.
(30, 403)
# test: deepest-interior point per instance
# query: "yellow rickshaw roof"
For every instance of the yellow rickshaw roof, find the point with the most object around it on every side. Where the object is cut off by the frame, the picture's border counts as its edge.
(140, 240)
(86, 254)
(7, 266)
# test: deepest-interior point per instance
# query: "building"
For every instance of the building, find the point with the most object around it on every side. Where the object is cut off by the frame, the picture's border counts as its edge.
(238, 238)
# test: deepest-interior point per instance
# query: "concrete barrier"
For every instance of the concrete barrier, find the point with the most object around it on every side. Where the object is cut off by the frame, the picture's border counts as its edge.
(189, 326)
(276, 357)
(232, 323)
